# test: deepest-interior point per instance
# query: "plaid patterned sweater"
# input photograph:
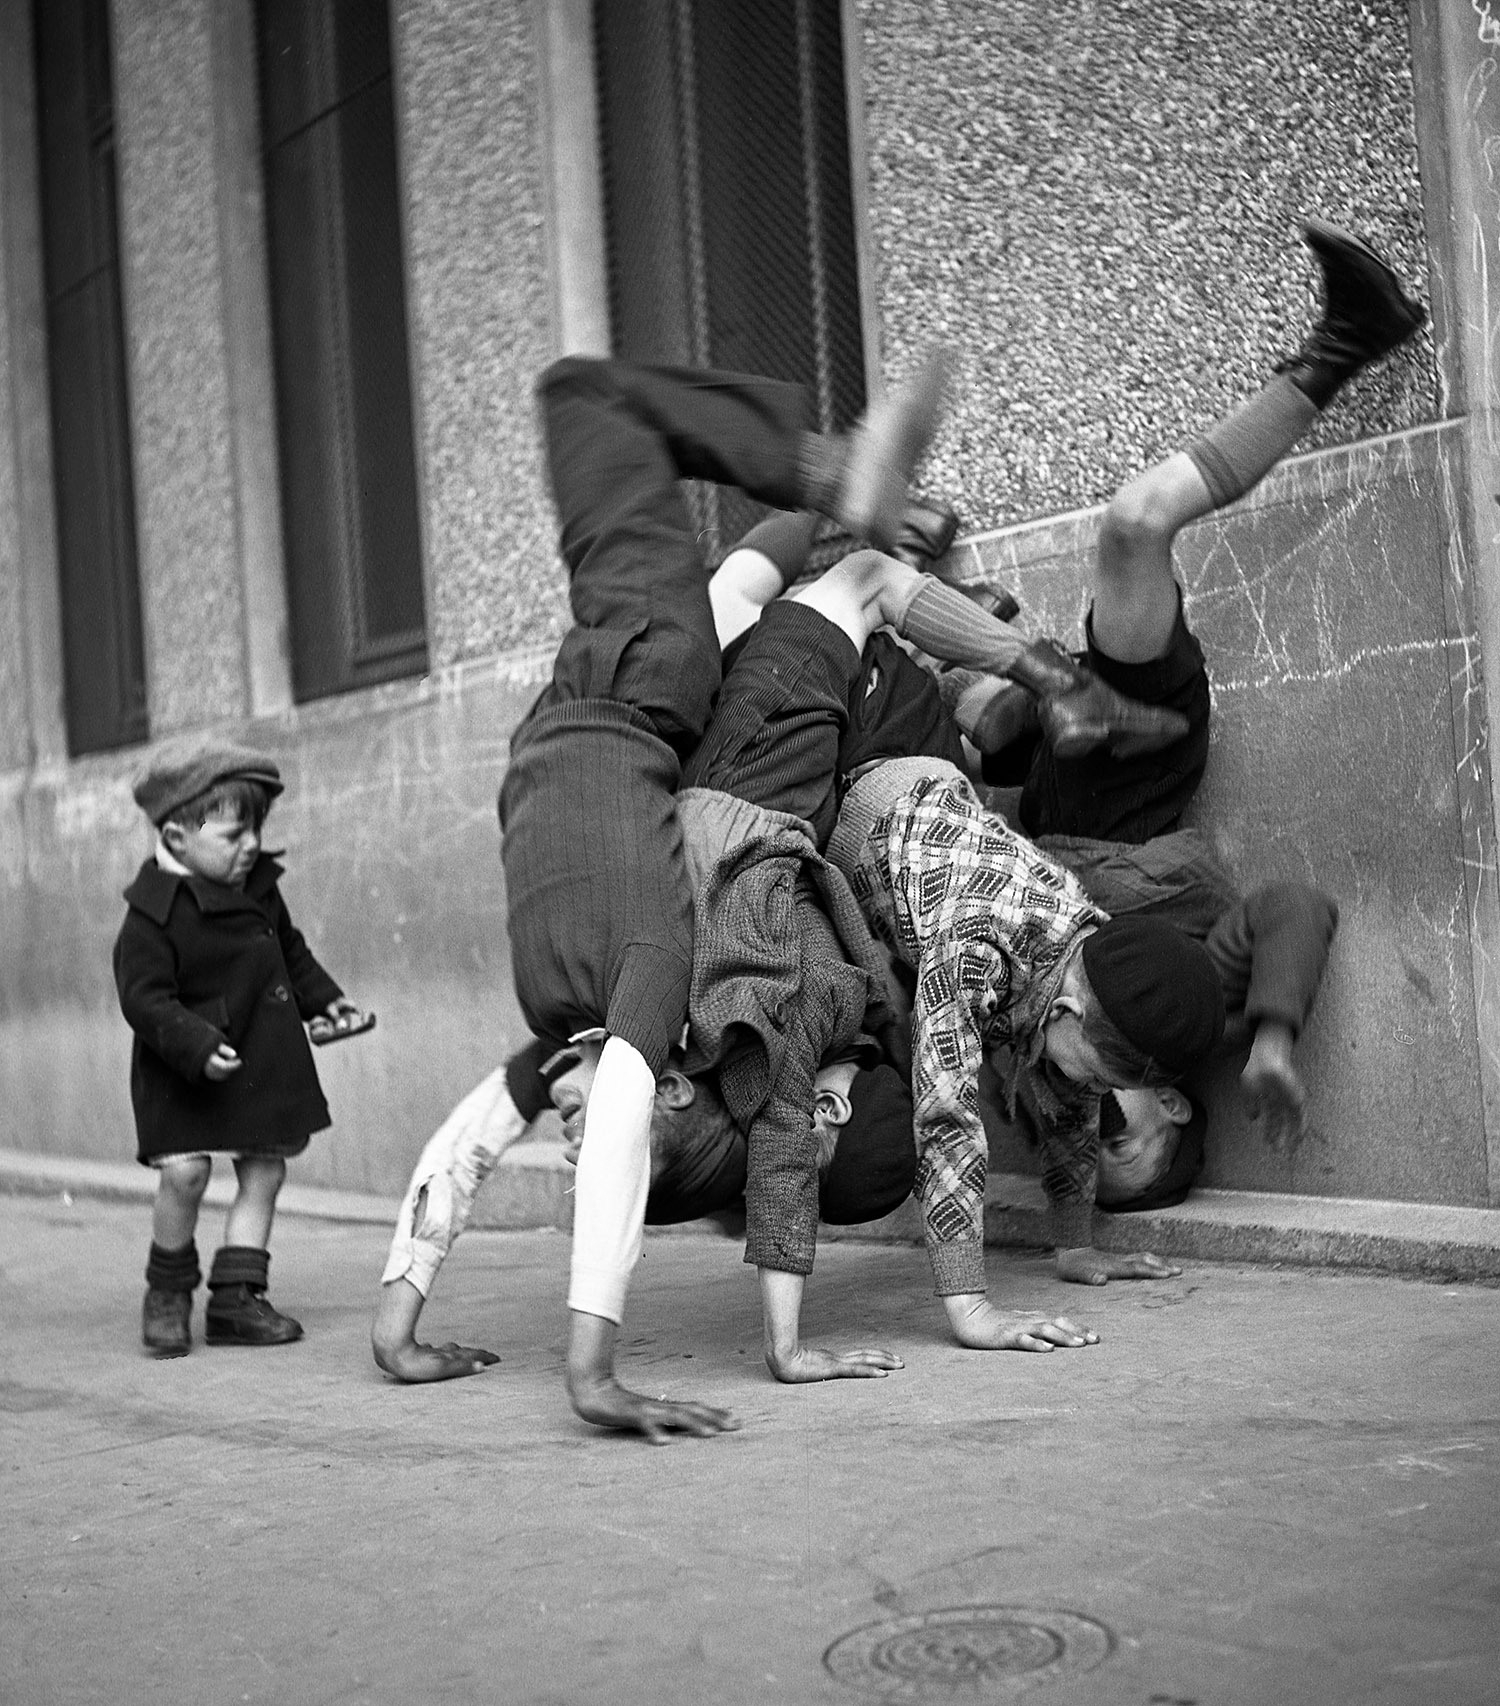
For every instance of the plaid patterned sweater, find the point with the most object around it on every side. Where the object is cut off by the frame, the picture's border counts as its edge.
(987, 923)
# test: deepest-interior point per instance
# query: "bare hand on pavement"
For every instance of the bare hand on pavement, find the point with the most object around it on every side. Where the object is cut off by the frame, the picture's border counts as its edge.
(1085, 1265)
(415, 1363)
(980, 1326)
(607, 1404)
(803, 1364)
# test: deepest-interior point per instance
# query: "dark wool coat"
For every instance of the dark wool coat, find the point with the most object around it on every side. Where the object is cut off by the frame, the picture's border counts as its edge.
(198, 964)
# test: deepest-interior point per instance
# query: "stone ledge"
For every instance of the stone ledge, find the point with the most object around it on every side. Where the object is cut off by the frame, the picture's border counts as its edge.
(532, 1187)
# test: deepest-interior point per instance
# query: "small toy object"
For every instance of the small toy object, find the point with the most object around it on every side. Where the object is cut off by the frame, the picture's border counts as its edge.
(323, 1030)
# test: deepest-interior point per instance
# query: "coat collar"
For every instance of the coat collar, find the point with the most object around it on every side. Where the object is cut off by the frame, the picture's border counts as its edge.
(154, 889)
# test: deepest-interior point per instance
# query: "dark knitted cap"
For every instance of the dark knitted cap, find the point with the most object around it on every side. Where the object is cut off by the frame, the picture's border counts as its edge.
(875, 1163)
(182, 768)
(1158, 988)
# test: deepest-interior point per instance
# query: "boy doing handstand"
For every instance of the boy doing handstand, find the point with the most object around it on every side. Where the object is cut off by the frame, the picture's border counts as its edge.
(600, 928)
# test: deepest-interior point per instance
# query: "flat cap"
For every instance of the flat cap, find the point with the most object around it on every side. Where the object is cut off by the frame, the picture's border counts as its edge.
(185, 766)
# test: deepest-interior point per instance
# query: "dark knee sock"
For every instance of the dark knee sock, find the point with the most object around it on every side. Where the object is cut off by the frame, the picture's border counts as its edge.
(173, 1270)
(786, 537)
(1239, 451)
(239, 1264)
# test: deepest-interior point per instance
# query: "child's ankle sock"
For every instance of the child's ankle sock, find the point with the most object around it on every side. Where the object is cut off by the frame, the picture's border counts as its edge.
(239, 1264)
(786, 539)
(1236, 453)
(173, 1270)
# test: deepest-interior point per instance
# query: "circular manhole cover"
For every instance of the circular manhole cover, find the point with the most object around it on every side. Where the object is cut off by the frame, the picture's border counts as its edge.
(968, 1651)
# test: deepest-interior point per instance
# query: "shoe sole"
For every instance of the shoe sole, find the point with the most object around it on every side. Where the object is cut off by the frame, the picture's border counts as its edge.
(886, 452)
(162, 1351)
(225, 1336)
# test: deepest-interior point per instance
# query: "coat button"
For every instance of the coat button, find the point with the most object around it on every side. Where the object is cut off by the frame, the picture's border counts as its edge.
(281, 992)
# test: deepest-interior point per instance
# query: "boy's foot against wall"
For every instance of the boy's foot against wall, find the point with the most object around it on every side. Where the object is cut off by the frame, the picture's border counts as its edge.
(882, 453)
(1366, 314)
(1079, 712)
(926, 532)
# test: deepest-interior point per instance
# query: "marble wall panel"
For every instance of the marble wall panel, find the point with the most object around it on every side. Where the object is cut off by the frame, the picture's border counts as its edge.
(1320, 603)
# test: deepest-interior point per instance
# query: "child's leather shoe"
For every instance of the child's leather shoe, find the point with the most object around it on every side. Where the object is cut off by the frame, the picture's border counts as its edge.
(239, 1316)
(164, 1322)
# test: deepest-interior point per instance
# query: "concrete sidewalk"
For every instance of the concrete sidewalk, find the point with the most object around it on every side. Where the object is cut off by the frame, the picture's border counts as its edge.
(1263, 1485)
(532, 1188)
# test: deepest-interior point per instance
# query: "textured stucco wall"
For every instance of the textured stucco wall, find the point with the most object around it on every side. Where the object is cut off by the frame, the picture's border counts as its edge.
(191, 592)
(1095, 206)
(392, 873)
(477, 302)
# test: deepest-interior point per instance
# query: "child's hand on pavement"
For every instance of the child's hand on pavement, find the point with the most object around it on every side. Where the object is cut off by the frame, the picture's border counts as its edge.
(979, 1326)
(1084, 1265)
(221, 1064)
(802, 1364)
(607, 1404)
(415, 1363)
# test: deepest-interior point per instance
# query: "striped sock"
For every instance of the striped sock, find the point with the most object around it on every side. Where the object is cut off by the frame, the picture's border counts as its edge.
(946, 624)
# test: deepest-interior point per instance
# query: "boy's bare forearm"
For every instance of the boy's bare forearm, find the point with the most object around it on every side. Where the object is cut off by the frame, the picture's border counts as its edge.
(598, 1397)
(788, 1358)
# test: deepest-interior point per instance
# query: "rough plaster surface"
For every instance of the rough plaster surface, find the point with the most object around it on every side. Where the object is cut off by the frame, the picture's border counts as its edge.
(1095, 206)
(392, 854)
(470, 131)
(192, 598)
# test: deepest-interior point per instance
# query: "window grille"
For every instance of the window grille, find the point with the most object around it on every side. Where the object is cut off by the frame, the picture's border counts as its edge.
(104, 660)
(338, 315)
(729, 217)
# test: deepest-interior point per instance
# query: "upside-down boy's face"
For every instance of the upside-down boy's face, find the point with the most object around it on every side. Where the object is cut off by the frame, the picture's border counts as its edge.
(571, 1085)
(1135, 1154)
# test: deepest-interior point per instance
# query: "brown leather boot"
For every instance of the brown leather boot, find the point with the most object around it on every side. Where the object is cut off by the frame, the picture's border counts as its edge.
(1079, 712)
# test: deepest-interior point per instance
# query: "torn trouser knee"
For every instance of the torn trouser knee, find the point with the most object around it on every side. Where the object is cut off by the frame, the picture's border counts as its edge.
(458, 1158)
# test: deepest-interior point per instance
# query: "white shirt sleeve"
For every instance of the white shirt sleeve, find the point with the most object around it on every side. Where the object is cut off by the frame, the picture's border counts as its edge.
(614, 1176)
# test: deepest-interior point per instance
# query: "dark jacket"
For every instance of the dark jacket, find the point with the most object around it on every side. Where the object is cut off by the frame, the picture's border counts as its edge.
(198, 964)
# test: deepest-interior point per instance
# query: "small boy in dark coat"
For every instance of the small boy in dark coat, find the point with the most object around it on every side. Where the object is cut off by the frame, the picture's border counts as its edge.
(216, 981)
